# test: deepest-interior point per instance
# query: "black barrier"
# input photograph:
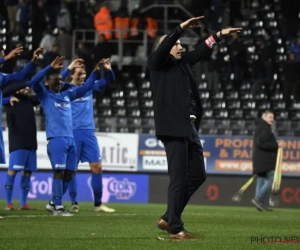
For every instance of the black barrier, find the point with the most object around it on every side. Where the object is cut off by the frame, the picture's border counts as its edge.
(219, 190)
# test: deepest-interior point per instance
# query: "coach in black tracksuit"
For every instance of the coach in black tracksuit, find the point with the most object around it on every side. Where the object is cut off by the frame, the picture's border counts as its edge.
(177, 115)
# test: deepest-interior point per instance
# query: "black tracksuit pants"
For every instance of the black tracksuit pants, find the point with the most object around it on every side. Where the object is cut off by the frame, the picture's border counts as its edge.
(187, 173)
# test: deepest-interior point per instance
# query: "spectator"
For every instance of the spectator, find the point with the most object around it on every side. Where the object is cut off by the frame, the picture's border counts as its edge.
(12, 8)
(22, 17)
(259, 76)
(64, 42)
(102, 49)
(121, 22)
(64, 19)
(48, 41)
(215, 65)
(84, 53)
(39, 22)
(50, 56)
(268, 52)
(237, 60)
(296, 49)
(103, 22)
(53, 8)
(264, 158)
(291, 71)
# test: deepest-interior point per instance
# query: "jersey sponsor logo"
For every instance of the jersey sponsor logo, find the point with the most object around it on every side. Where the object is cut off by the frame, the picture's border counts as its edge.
(82, 99)
(60, 166)
(62, 105)
(18, 167)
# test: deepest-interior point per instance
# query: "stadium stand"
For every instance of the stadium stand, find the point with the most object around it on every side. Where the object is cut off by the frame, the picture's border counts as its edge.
(126, 106)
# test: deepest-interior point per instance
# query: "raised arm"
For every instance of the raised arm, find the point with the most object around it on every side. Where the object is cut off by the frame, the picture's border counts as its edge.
(110, 77)
(99, 84)
(12, 54)
(158, 58)
(39, 87)
(39, 76)
(204, 49)
(65, 74)
(12, 88)
(24, 73)
(88, 85)
(77, 63)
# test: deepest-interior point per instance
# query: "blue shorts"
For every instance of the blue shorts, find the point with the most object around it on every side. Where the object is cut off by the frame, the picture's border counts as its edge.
(22, 159)
(87, 146)
(62, 153)
(2, 148)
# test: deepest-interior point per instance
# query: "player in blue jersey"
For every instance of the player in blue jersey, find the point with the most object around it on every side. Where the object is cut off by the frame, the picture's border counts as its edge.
(56, 104)
(8, 79)
(84, 133)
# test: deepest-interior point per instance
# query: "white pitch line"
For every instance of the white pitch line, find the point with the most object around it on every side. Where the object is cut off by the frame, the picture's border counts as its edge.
(92, 215)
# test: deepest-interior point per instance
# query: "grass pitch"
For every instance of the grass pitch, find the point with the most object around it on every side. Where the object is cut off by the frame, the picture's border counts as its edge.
(134, 227)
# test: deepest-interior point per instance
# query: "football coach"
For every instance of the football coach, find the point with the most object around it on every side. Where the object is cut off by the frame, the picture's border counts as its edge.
(177, 116)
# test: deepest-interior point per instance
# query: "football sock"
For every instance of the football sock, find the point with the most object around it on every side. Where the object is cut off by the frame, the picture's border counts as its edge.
(57, 190)
(73, 189)
(97, 188)
(9, 185)
(25, 187)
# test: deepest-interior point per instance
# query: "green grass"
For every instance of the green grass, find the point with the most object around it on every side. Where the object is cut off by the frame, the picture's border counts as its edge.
(133, 227)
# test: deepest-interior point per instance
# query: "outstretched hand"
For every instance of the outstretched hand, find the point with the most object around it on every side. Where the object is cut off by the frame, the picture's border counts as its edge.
(99, 64)
(13, 53)
(77, 63)
(106, 64)
(12, 100)
(192, 23)
(229, 31)
(36, 53)
(57, 63)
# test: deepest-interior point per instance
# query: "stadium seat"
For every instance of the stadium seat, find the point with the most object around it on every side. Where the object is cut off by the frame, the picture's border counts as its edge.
(235, 114)
(222, 124)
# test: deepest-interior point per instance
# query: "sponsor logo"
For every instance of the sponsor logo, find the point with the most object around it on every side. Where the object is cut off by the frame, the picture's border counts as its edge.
(152, 143)
(82, 99)
(153, 156)
(62, 105)
(155, 162)
(228, 165)
(40, 187)
(289, 195)
(60, 166)
(120, 189)
(18, 167)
